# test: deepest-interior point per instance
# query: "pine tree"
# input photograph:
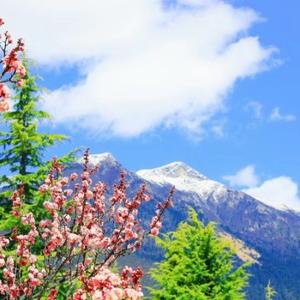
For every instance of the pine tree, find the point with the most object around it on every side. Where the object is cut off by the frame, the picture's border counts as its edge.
(23, 145)
(270, 292)
(198, 265)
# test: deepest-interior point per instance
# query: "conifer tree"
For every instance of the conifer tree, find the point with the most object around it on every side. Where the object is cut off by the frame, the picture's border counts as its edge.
(198, 265)
(23, 145)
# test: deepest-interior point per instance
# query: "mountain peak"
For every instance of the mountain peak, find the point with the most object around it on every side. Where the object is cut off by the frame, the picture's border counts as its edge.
(184, 178)
(172, 170)
(100, 158)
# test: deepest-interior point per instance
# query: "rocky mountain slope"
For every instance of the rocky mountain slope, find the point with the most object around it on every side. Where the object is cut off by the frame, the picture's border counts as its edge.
(274, 234)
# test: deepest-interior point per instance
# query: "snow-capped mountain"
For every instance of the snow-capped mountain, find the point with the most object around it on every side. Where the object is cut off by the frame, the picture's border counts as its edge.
(97, 159)
(184, 178)
(274, 234)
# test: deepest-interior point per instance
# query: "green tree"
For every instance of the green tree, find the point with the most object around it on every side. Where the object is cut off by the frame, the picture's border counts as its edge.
(198, 265)
(270, 292)
(23, 145)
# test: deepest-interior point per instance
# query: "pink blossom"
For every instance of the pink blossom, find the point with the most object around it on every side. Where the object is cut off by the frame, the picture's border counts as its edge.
(114, 294)
(52, 295)
(73, 176)
(154, 231)
(68, 192)
(133, 294)
(50, 206)
(28, 219)
(2, 262)
(3, 242)
(73, 238)
(44, 188)
(20, 82)
(89, 195)
(87, 235)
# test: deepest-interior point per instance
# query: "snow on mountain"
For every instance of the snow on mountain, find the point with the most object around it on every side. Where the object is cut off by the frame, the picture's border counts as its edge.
(97, 159)
(184, 178)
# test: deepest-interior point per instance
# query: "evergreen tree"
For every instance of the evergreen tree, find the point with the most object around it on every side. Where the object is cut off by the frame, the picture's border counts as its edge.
(23, 145)
(198, 265)
(270, 292)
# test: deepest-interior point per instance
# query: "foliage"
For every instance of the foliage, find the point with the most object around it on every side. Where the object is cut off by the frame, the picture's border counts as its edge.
(198, 265)
(23, 148)
(23, 145)
(82, 235)
(270, 292)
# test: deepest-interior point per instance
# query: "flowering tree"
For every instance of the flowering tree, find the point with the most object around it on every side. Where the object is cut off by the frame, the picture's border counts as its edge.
(82, 235)
(13, 70)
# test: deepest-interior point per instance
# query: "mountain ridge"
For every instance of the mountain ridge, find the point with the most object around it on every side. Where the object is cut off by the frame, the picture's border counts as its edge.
(273, 233)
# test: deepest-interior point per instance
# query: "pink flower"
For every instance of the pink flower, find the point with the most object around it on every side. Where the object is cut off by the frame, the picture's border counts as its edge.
(67, 218)
(4, 91)
(20, 82)
(32, 259)
(89, 195)
(52, 295)
(73, 238)
(50, 206)
(44, 188)
(105, 242)
(129, 234)
(64, 181)
(133, 294)
(114, 294)
(35, 282)
(28, 219)
(45, 223)
(73, 176)
(4, 106)
(8, 274)
(85, 175)
(2, 262)
(79, 295)
(3, 242)
(68, 192)
(154, 231)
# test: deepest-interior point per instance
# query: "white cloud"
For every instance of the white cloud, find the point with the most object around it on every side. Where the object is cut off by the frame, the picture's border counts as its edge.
(256, 108)
(280, 192)
(218, 130)
(276, 115)
(144, 65)
(217, 127)
(245, 177)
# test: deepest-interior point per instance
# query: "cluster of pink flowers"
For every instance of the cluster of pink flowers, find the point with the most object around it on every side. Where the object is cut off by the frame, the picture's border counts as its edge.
(13, 70)
(11, 283)
(84, 234)
(156, 221)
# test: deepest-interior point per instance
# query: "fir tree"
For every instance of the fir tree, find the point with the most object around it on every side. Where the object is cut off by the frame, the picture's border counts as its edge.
(198, 265)
(23, 145)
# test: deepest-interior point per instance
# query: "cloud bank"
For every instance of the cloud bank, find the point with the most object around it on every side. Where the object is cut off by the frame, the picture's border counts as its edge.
(244, 177)
(280, 192)
(144, 65)
(277, 116)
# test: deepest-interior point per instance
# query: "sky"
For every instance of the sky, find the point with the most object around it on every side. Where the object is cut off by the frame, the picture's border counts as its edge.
(212, 83)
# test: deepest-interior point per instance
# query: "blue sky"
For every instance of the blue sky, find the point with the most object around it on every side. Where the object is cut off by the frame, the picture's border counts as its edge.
(188, 82)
